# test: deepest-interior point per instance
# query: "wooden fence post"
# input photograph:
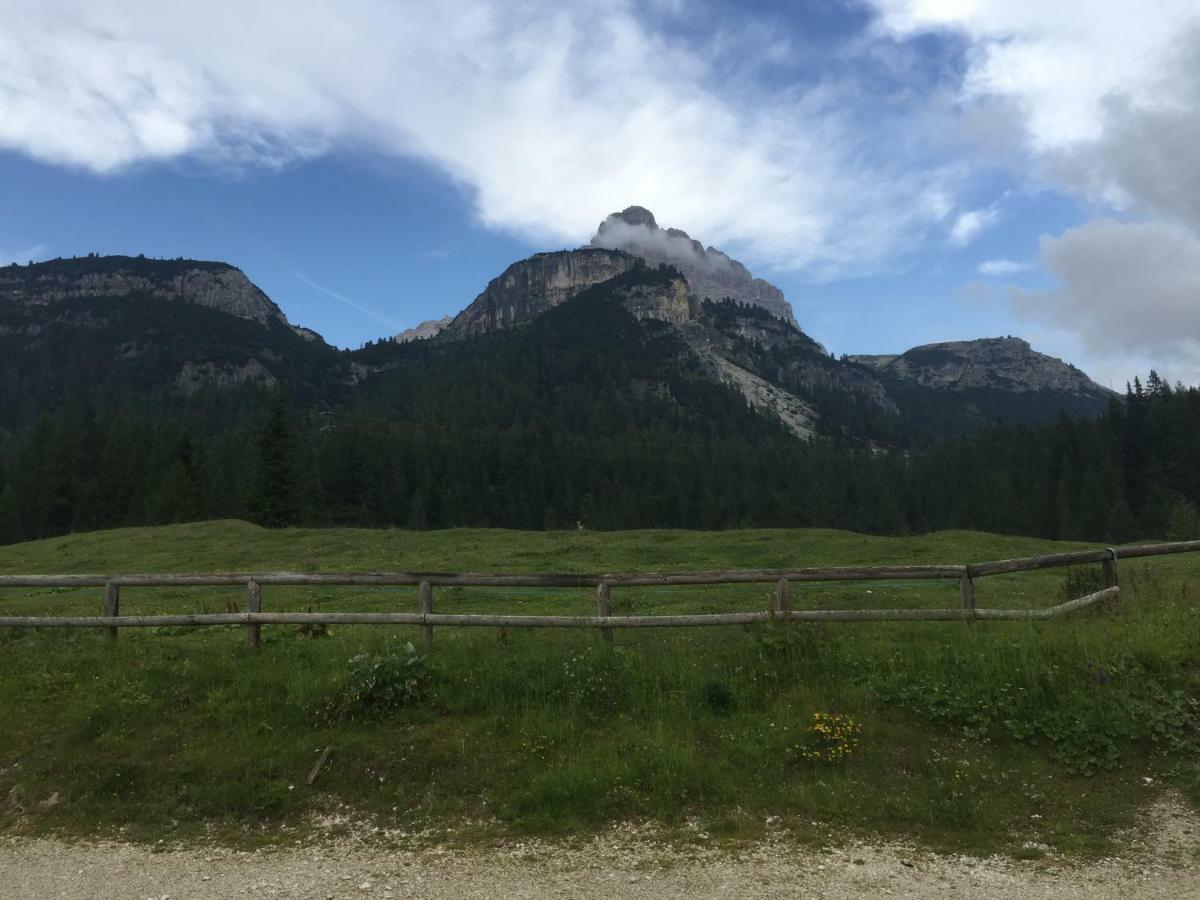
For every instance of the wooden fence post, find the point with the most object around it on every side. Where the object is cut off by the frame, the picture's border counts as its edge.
(253, 605)
(604, 609)
(783, 598)
(112, 605)
(966, 592)
(1110, 569)
(425, 607)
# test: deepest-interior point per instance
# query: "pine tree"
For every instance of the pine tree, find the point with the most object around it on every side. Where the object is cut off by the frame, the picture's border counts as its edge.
(891, 518)
(1122, 526)
(277, 500)
(417, 520)
(1154, 384)
(1184, 522)
(10, 518)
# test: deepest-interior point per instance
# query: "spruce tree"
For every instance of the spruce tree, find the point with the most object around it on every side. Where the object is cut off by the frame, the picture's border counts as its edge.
(10, 518)
(277, 500)
(1184, 522)
(1122, 526)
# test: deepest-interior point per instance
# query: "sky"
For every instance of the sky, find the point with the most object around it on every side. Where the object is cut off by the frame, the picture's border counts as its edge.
(907, 171)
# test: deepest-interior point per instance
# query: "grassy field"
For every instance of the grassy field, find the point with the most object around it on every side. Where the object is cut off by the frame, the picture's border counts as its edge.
(992, 736)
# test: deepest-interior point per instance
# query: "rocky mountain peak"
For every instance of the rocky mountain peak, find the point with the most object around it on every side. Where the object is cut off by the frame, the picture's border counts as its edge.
(213, 284)
(635, 215)
(430, 328)
(532, 286)
(1007, 362)
(712, 274)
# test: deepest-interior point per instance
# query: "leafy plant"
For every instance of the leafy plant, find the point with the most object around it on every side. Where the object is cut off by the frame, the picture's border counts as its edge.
(717, 697)
(381, 683)
(830, 737)
(1088, 719)
(313, 629)
(1080, 581)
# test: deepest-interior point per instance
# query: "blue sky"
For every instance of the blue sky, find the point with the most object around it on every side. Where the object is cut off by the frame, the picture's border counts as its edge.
(906, 170)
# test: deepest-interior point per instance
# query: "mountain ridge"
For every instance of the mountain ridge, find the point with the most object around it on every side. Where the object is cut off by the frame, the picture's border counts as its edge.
(213, 284)
(129, 322)
(961, 365)
(628, 400)
(753, 343)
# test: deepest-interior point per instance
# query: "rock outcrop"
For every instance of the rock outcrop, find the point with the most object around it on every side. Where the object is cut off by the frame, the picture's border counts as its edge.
(423, 332)
(1007, 363)
(671, 301)
(194, 376)
(534, 285)
(713, 275)
(873, 360)
(214, 285)
(747, 336)
(796, 415)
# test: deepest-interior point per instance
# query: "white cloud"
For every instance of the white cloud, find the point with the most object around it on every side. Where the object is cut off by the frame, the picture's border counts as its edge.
(658, 243)
(1128, 292)
(550, 115)
(971, 224)
(998, 268)
(1102, 99)
(1059, 60)
(1105, 96)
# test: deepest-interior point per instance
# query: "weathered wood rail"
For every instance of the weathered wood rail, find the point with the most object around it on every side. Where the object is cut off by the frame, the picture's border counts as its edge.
(425, 618)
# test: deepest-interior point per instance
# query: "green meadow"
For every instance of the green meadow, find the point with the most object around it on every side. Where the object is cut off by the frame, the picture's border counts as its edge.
(1016, 737)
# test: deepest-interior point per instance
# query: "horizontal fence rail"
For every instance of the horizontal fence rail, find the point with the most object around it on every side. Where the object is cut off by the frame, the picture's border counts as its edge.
(1056, 560)
(430, 619)
(779, 611)
(443, 579)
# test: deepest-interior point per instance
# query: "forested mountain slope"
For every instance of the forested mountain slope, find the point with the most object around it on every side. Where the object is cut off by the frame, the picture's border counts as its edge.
(129, 332)
(596, 390)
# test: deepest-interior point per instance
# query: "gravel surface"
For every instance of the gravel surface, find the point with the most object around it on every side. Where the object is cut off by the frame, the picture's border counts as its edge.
(1161, 860)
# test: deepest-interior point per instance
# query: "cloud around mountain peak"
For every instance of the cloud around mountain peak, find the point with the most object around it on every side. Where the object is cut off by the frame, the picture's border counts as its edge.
(711, 273)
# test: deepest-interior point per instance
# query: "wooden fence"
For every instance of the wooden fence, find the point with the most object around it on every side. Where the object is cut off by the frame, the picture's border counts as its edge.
(779, 610)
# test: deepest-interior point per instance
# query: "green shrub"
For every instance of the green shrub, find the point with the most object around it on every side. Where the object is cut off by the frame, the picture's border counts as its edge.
(1088, 717)
(314, 629)
(717, 697)
(1080, 581)
(381, 683)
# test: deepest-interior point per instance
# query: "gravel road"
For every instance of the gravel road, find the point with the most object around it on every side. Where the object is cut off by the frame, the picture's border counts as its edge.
(1162, 860)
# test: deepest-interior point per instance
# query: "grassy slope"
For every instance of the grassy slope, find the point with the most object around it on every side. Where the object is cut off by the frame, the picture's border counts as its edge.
(972, 736)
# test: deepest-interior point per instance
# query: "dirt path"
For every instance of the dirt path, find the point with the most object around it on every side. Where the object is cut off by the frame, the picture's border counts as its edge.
(1164, 862)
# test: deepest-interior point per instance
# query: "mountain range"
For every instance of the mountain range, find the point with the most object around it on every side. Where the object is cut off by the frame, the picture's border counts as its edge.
(106, 328)
(742, 331)
(640, 380)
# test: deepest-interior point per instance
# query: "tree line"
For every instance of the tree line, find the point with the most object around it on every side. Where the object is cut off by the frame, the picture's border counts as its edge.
(1132, 473)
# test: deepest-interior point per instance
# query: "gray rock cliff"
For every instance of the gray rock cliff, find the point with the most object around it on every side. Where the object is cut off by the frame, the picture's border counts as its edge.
(534, 285)
(424, 331)
(1006, 363)
(672, 302)
(791, 358)
(213, 285)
